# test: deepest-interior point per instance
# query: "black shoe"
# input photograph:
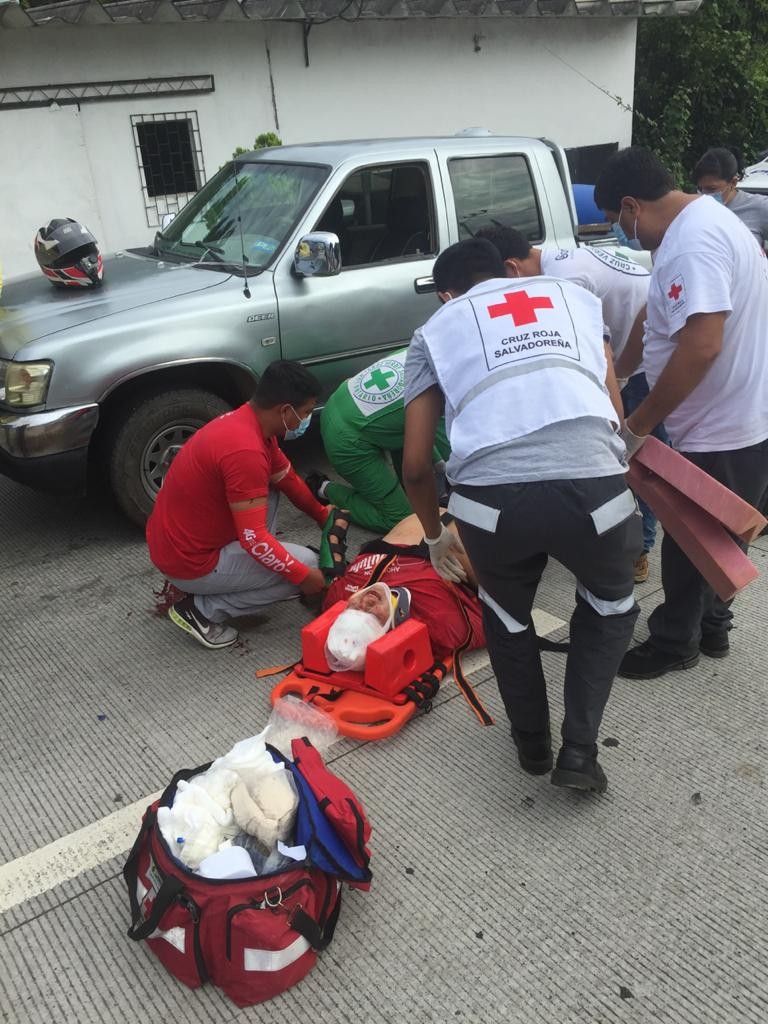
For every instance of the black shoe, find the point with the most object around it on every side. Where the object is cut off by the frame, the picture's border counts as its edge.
(715, 645)
(578, 768)
(534, 751)
(314, 481)
(647, 662)
(212, 635)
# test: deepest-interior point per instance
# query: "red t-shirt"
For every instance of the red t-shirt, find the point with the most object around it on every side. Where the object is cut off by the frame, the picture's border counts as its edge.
(226, 461)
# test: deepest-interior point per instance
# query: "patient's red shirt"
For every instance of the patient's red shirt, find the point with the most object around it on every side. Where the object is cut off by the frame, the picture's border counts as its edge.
(434, 602)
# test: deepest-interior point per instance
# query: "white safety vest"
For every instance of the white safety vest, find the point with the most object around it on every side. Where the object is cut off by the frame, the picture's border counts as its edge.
(513, 356)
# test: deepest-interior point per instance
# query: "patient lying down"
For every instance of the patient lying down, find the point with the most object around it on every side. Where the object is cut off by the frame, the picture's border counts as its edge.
(412, 589)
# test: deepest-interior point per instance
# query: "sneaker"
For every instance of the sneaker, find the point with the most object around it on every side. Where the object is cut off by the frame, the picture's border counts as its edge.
(715, 645)
(314, 481)
(578, 768)
(534, 751)
(647, 662)
(641, 568)
(210, 634)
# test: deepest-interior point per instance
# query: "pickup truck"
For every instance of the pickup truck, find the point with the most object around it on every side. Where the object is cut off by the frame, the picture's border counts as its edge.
(320, 253)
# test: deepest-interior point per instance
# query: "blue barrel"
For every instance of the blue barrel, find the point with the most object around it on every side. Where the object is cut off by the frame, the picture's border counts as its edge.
(586, 211)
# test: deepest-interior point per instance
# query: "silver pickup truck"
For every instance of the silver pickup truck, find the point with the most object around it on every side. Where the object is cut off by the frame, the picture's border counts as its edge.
(320, 253)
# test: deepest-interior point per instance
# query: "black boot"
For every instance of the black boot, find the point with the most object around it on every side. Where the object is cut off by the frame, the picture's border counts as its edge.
(715, 645)
(648, 662)
(534, 751)
(578, 768)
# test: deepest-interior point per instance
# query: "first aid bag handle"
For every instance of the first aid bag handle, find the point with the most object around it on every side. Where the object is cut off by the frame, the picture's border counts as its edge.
(165, 898)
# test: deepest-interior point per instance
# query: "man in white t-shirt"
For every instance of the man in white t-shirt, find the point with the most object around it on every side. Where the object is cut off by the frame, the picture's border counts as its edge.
(706, 358)
(621, 284)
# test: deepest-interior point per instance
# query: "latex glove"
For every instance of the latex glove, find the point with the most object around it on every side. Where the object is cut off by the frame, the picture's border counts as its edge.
(633, 442)
(442, 554)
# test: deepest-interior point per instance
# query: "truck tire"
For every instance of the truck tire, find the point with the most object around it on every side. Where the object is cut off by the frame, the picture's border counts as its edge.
(152, 430)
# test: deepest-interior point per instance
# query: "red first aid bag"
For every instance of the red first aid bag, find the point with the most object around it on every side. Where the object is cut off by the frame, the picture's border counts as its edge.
(252, 937)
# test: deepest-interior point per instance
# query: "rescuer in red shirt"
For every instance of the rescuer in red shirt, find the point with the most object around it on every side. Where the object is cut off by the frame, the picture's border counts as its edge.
(211, 530)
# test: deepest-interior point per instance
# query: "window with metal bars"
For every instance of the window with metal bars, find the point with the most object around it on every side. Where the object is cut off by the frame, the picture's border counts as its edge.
(170, 159)
(166, 157)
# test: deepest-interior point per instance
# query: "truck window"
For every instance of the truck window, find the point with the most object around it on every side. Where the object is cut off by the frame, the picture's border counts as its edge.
(495, 190)
(383, 213)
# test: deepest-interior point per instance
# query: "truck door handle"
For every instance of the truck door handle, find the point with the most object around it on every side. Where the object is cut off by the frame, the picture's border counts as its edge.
(422, 285)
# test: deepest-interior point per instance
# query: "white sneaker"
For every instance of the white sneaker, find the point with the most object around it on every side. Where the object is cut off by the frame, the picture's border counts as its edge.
(210, 634)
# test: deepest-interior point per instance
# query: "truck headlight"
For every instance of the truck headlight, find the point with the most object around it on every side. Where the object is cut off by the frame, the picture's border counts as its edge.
(23, 384)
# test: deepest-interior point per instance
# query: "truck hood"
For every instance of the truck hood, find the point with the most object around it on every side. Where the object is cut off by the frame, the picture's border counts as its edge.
(32, 308)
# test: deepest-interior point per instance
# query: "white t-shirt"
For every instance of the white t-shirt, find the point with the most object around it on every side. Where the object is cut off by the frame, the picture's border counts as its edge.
(619, 283)
(708, 262)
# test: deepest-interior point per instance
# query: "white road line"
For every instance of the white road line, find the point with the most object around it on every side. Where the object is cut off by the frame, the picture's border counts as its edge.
(64, 859)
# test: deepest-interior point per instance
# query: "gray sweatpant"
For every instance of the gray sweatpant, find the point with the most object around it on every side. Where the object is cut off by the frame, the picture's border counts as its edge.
(239, 585)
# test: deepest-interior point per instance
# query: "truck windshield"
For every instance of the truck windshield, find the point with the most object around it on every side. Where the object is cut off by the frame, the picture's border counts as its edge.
(264, 199)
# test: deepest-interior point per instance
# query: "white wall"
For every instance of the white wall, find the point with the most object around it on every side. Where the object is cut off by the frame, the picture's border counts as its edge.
(368, 79)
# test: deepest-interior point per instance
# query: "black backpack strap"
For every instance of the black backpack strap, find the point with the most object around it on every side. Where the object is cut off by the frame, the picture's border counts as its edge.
(318, 938)
(166, 897)
(131, 867)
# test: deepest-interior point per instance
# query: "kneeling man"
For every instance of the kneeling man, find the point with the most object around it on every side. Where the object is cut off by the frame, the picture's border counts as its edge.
(211, 530)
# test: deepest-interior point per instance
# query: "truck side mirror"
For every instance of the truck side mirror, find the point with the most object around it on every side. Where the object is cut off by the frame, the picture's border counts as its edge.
(318, 254)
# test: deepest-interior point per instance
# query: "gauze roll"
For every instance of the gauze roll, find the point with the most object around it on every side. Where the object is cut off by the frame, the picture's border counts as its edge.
(348, 640)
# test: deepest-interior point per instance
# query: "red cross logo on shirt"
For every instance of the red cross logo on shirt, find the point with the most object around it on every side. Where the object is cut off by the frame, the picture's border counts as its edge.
(521, 307)
(674, 292)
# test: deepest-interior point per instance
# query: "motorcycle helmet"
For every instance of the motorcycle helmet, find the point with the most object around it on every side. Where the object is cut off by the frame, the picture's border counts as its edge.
(68, 254)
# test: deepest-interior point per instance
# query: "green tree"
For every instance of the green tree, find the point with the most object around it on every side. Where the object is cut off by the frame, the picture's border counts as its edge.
(702, 81)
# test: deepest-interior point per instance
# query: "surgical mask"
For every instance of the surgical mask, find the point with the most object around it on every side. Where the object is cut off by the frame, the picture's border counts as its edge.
(623, 237)
(292, 433)
(717, 196)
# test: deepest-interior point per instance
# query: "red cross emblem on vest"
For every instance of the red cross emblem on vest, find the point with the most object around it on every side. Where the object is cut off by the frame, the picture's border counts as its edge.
(521, 307)
(674, 292)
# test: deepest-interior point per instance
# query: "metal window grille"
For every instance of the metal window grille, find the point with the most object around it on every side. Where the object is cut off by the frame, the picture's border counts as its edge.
(170, 158)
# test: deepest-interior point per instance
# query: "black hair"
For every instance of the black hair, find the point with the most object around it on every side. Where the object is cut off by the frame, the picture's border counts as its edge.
(719, 162)
(511, 243)
(464, 264)
(285, 382)
(635, 172)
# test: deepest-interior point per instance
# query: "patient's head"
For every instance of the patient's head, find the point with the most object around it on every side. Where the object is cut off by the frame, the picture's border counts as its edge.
(367, 617)
(376, 599)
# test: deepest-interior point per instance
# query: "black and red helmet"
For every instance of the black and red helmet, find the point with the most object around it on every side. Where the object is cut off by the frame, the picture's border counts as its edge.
(68, 254)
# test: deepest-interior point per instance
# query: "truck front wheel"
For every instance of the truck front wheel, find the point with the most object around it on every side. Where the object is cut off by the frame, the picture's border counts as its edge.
(151, 433)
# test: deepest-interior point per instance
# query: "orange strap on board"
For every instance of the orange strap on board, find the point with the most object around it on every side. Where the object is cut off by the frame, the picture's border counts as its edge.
(468, 691)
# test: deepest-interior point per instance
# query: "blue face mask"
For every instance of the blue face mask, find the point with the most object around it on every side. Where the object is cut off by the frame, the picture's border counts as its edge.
(623, 238)
(717, 196)
(293, 433)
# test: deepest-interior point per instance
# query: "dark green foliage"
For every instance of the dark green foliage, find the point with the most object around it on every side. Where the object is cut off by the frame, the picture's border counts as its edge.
(702, 81)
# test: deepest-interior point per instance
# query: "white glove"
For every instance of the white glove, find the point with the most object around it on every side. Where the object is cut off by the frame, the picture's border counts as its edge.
(633, 442)
(442, 555)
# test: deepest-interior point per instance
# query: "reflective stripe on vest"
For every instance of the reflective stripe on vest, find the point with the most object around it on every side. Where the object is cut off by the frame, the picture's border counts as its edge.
(531, 350)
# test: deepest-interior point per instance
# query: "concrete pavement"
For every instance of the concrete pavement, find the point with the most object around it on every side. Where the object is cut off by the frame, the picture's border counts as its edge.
(496, 897)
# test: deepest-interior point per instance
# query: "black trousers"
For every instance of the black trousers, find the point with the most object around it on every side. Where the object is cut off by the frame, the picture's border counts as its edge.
(536, 520)
(691, 608)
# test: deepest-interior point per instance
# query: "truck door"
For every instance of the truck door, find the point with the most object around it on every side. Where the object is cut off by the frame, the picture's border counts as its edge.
(490, 189)
(390, 220)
